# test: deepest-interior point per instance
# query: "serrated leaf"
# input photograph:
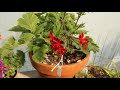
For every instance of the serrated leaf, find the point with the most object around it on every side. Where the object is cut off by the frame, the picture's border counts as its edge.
(40, 53)
(58, 25)
(47, 40)
(10, 44)
(25, 38)
(40, 28)
(76, 45)
(30, 46)
(6, 52)
(35, 48)
(93, 47)
(29, 21)
(89, 39)
(18, 28)
(56, 32)
(21, 56)
(80, 31)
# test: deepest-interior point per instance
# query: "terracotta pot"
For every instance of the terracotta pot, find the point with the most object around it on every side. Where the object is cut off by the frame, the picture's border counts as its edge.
(68, 71)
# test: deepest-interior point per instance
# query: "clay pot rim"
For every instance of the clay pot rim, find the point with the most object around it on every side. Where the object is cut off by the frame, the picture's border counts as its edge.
(47, 65)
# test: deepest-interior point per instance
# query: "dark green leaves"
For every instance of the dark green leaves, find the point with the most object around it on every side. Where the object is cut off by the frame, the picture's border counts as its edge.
(10, 44)
(29, 21)
(18, 28)
(25, 38)
(21, 56)
(39, 53)
(92, 46)
(40, 28)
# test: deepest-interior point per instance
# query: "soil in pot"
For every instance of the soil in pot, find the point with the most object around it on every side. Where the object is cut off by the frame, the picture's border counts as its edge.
(53, 59)
(93, 72)
(97, 72)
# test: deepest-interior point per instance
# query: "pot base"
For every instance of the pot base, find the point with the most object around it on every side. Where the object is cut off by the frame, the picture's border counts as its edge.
(50, 76)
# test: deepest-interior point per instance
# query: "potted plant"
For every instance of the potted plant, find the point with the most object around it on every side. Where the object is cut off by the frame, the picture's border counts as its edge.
(57, 44)
(93, 71)
(10, 59)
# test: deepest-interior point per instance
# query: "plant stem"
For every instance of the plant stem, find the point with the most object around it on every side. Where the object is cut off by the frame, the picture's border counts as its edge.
(77, 20)
(79, 15)
(78, 27)
(64, 15)
(62, 21)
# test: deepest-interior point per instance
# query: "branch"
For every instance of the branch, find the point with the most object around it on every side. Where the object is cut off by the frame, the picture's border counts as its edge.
(62, 21)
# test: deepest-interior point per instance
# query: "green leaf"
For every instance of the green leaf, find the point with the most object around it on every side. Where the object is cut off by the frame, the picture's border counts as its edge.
(89, 39)
(21, 56)
(56, 32)
(40, 53)
(18, 28)
(79, 31)
(40, 28)
(6, 52)
(93, 47)
(76, 44)
(25, 38)
(29, 21)
(10, 44)
(35, 48)
(47, 40)
(38, 41)
(30, 46)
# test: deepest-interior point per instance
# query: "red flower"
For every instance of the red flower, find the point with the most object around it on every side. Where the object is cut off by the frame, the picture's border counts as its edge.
(56, 44)
(61, 51)
(51, 36)
(83, 41)
(84, 46)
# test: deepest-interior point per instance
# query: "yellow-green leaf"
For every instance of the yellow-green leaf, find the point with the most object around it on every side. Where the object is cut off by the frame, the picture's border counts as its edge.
(29, 21)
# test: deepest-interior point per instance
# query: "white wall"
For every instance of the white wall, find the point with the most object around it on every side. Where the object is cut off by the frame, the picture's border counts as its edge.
(104, 27)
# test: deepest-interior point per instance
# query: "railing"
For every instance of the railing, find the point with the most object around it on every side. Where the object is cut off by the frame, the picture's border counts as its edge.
(109, 43)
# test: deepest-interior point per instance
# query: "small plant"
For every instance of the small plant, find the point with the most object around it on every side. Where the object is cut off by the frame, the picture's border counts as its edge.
(99, 72)
(10, 59)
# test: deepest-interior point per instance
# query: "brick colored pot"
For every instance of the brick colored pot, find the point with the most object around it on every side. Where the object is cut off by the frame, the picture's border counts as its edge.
(68, 71)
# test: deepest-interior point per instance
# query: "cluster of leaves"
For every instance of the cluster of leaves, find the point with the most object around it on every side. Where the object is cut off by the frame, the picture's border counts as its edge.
(35, 28)
(10, 58)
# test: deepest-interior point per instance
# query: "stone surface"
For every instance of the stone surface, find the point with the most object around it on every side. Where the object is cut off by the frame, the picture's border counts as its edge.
(28, 74)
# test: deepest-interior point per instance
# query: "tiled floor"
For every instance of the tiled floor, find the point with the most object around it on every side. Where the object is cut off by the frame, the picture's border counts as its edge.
(29, 74)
